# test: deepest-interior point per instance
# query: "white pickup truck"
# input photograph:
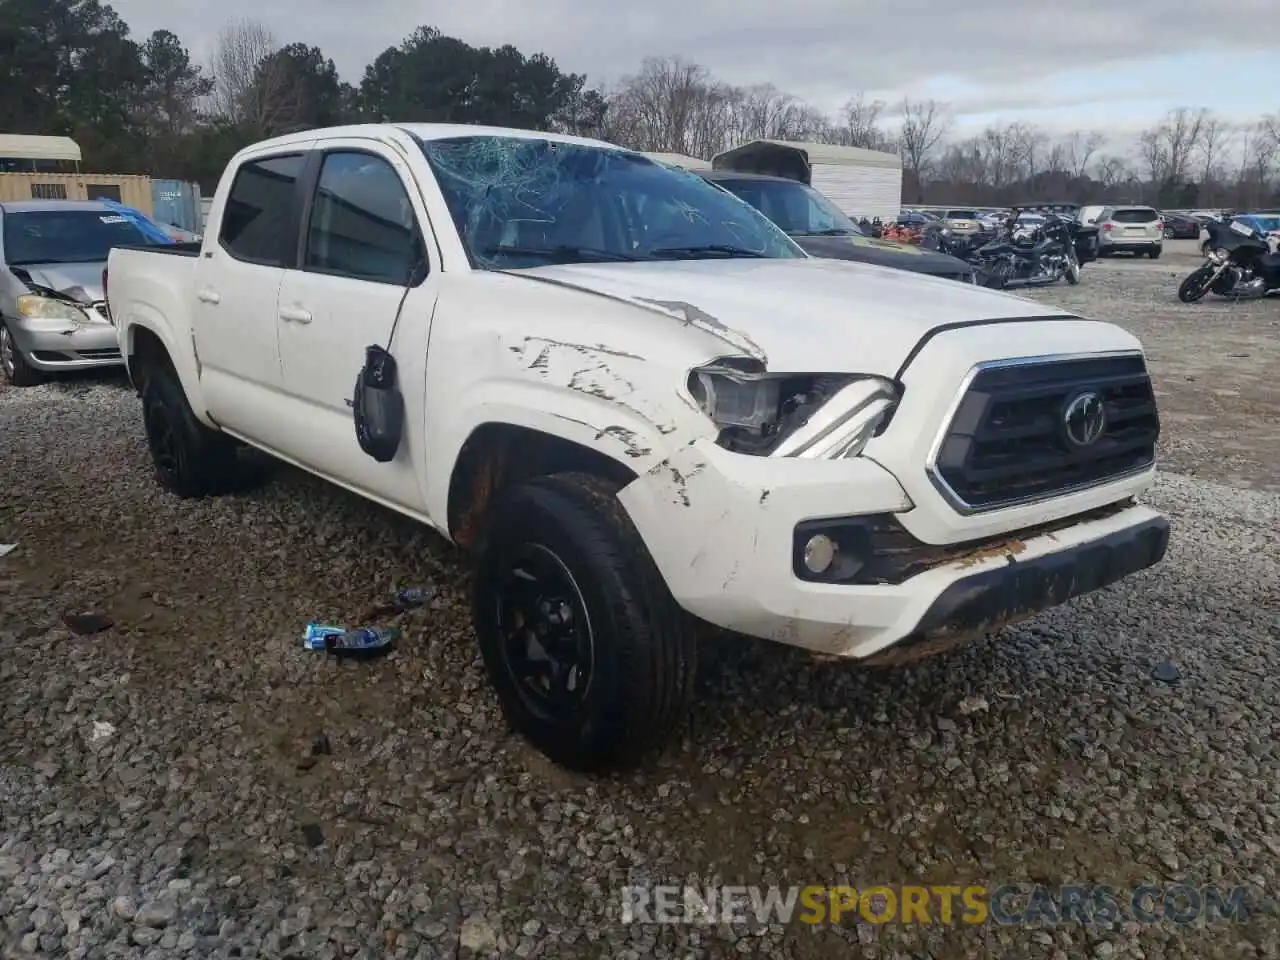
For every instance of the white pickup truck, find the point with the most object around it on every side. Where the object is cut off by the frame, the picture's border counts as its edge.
(634, 399)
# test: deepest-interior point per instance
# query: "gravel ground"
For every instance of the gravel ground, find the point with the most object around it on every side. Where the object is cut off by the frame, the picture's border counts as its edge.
(162, 792)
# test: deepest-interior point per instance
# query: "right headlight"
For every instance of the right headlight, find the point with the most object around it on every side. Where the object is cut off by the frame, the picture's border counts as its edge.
(35, 307)
(814, 416)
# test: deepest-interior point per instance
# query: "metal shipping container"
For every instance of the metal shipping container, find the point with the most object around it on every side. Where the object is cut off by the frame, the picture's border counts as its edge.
(132, 191)
(177, 203)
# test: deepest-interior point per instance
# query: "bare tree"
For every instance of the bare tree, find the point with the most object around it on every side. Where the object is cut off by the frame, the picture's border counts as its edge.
(671, 105)
(924, 124)
(1112, 171)
(1081, 147)
(241, 50)
(1213, 137)
(861, 124)
(1168, 148)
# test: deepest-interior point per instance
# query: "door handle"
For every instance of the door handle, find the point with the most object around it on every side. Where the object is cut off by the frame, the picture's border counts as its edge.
(206, 295)
(295, 315)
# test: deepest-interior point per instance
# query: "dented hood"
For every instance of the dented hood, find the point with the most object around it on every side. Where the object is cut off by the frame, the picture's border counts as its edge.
(81, 282)
(798, 314)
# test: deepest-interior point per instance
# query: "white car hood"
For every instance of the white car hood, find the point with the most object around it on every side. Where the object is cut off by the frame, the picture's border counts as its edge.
(799, 315)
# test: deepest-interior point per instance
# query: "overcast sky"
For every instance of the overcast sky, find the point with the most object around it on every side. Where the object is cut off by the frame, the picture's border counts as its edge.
(1110, 64)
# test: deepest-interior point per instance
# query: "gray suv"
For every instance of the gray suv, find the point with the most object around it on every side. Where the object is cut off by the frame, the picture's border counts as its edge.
(1135, 229)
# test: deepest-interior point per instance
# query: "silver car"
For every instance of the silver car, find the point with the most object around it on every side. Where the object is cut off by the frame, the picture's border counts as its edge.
(1136, 229)
(52, 315)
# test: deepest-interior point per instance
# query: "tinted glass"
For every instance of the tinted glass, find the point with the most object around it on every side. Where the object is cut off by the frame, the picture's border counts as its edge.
(1135, 215)
(362, 223)
(257, 221)
(520, 202)
(796, 208)
(962, 214)
(66, 236)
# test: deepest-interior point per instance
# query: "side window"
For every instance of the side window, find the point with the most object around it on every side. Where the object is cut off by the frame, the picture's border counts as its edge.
(257, 223)
(362, 223)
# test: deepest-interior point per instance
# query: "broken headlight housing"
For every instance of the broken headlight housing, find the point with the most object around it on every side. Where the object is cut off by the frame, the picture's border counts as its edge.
(815, 416)
(35, 307)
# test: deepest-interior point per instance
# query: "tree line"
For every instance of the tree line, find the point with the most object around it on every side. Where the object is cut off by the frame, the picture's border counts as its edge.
(145, 106)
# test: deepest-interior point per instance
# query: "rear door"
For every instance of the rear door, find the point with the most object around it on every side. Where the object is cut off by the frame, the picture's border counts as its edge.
(237, 282)
(363, 230)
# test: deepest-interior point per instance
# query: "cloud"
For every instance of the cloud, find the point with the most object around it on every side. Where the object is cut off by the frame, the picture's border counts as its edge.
(988, 54)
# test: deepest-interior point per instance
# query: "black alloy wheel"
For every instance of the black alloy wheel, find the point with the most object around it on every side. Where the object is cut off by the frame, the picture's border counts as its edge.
(547, 644)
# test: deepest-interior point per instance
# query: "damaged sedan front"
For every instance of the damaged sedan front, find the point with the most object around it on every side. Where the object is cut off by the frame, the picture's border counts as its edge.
(52, 313)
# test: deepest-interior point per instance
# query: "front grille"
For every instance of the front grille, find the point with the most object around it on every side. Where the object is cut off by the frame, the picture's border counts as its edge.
(1007, 442)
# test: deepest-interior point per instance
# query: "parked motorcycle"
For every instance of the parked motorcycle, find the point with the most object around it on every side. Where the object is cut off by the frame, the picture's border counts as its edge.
(1018, 255)
(1240, 262)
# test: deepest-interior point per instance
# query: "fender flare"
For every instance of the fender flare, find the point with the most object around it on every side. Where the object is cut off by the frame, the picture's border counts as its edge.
(634, 440)
(186, 363)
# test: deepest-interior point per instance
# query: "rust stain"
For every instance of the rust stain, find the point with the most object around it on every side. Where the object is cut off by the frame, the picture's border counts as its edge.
(1008, 549)
(487, 479)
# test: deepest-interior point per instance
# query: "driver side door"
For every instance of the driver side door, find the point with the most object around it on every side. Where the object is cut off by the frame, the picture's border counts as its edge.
(363, 232)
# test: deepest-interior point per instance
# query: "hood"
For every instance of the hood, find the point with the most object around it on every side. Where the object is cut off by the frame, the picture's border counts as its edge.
(886, 253)
(797, 315)
(81, 282)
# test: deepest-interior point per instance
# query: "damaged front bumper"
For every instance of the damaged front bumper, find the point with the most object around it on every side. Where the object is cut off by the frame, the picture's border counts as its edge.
(726, 535)
(54, 345)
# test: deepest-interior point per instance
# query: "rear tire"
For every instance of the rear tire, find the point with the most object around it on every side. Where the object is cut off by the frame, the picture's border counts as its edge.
(190, 460)
(14, 364)
(565, 540)
(1195, 286)
(1154, 252)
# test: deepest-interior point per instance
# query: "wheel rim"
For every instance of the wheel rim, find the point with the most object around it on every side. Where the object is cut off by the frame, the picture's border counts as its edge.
(7, 358)
(546, 639)
(166, 452)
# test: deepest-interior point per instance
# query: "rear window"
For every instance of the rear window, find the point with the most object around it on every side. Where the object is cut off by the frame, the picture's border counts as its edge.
(257, 224)
(1135, 215)
(67, 236)
(962, 215)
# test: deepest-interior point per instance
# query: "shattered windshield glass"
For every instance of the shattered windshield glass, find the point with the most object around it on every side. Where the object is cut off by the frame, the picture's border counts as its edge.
(526, 202)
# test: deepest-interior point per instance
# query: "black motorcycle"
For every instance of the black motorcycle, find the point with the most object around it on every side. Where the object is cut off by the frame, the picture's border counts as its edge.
(1239, 262)
(1020, 256)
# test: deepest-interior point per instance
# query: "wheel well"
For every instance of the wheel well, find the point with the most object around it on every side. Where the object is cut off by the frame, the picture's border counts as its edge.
(498, 455)
(147, 353)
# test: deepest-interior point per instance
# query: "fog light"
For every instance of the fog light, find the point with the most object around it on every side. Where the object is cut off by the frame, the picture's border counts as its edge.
(819, 553)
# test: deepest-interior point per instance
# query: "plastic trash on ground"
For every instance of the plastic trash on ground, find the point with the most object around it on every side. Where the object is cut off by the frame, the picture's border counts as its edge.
(7, 548)
(341, 642)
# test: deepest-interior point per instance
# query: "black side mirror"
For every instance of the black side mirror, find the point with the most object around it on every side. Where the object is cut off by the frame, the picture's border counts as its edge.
(377, 406)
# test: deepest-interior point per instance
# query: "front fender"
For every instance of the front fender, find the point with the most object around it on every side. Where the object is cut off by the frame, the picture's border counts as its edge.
(621, 406)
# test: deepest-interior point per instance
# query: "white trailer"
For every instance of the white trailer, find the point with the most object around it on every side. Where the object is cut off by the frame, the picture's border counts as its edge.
(862, 183)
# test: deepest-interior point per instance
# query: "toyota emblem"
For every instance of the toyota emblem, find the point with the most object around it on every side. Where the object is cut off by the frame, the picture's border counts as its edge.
(1084, 420)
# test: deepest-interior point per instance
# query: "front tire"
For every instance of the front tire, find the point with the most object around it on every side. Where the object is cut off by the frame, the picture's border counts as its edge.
(1195, 286)
(14, 364)
(190, 460)
(591, 657)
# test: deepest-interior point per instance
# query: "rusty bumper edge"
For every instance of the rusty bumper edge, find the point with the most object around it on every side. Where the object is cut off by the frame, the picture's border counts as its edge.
(987, 601)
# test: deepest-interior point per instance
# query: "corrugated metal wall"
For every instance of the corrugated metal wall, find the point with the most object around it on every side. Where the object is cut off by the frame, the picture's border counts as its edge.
(177, 203)
(133, 191)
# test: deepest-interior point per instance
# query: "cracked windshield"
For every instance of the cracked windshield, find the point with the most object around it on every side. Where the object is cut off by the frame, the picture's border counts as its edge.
(523, 202)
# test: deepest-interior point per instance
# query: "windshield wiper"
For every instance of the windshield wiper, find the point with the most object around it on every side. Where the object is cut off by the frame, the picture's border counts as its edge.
(833, 232)
(565, 254)
(710, 250)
